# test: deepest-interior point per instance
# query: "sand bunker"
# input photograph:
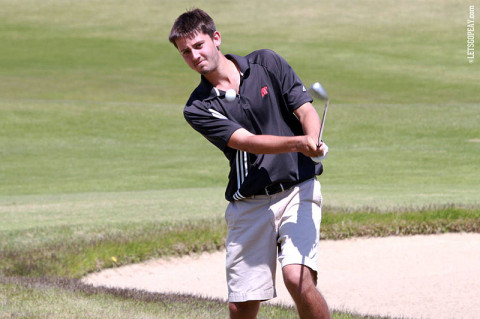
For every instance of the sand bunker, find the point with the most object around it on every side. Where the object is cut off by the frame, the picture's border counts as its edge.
(433, 276)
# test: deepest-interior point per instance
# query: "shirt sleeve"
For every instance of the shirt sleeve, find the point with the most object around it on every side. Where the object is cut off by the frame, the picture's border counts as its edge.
(212, 124)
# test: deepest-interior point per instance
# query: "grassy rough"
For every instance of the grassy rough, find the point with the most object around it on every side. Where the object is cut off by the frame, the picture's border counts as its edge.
(63, 254)
(429, 220)
(86, 301)
(59, 256)
(26, 297)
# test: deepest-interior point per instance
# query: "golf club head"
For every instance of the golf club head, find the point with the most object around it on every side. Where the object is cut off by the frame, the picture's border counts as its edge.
(318, 92)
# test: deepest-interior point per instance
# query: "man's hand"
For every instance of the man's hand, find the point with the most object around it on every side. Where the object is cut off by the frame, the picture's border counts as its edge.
(324, 149)
(309, 147)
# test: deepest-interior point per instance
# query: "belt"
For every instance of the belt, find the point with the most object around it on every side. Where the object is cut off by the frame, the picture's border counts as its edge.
(277, 188)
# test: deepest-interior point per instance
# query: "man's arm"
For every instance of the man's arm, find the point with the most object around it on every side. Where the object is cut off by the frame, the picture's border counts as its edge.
(308, 117)
(306, 144)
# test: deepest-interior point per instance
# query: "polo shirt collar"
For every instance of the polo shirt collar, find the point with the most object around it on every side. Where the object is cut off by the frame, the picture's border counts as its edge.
(206, 86)
(241, 61)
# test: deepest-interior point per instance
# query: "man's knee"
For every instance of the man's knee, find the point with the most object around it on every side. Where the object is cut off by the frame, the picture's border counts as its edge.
(299, 278)
(248, 309)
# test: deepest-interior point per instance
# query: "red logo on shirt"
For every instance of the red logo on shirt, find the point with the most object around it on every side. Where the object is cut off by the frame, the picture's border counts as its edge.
(264, 91)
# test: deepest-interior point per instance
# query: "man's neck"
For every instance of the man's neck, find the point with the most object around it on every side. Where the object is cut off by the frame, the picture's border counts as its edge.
(226, 76)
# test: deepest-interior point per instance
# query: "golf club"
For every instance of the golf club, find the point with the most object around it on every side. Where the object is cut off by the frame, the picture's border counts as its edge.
(319, 93)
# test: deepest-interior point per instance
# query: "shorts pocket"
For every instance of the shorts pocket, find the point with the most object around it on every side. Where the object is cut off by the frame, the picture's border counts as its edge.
(317, 192)
(230, 214)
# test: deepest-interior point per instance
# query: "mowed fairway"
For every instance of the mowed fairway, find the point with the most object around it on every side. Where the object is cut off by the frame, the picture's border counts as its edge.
(93, 140)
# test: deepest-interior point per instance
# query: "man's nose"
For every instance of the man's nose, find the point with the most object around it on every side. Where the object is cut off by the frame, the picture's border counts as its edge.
(195, 54)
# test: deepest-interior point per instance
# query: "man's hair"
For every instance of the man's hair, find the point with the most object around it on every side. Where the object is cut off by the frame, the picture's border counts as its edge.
(190, 23)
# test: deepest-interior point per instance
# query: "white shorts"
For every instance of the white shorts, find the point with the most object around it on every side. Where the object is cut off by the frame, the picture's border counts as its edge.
(258, 227)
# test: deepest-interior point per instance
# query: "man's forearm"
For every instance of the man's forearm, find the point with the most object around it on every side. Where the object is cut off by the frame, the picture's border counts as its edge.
(307, 144)
(265, 144)
(310, 120)
(243, 140)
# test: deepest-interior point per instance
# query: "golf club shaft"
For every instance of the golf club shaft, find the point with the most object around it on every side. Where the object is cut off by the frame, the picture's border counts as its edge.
(322, 124)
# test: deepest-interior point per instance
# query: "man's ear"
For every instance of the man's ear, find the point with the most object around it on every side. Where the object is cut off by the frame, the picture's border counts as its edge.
(217, 39)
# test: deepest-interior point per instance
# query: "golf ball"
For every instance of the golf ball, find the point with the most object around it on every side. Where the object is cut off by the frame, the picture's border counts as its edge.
(230, 95)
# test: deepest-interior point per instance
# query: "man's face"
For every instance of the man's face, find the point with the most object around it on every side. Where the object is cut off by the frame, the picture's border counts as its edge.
(200, 51)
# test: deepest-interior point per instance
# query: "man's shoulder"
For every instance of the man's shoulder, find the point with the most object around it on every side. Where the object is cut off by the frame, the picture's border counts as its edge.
(201, 93)
(196, 97)
(195, 105)
(263, 57)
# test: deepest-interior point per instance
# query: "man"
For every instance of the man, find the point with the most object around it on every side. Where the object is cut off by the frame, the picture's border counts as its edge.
(269, 134)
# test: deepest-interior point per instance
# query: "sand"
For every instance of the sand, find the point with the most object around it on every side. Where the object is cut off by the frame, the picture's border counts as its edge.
(425, 276)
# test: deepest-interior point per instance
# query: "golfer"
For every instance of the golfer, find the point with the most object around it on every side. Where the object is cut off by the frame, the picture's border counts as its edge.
(268, 130)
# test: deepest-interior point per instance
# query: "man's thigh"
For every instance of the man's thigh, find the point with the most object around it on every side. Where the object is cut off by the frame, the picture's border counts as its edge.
(251, 250)
(299, 226)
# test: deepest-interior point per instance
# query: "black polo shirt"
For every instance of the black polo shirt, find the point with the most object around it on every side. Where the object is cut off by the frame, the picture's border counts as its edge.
(270, 91)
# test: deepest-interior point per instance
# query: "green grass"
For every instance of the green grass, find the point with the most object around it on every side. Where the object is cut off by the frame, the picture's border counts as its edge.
(26, 256)
(380, 155)
(97, 161)
(74, 251)
(103, 209)
(29, 298)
